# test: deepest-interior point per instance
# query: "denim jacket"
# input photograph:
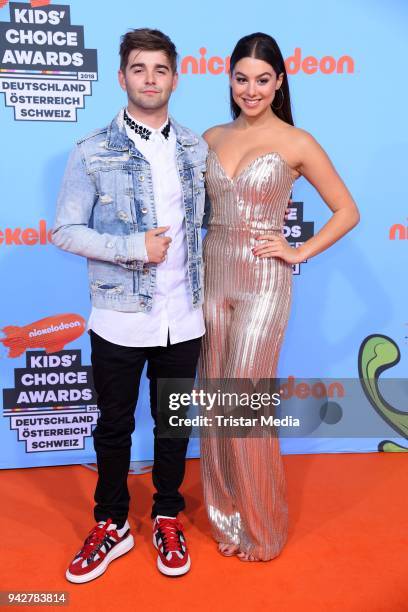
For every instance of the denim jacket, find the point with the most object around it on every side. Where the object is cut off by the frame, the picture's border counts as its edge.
(106, 205)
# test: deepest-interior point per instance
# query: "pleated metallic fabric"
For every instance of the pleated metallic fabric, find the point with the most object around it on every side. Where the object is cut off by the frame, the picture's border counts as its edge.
(246, 308)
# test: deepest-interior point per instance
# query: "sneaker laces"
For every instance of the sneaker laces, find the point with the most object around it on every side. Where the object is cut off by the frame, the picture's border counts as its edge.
(95, 539)
(169, 529)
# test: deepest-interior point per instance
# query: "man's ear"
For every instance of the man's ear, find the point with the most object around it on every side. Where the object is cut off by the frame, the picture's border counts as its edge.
(175, 80)
(122, 80)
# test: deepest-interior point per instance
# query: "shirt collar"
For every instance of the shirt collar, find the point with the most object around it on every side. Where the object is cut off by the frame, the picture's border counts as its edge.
(117, 137)
(155, 132)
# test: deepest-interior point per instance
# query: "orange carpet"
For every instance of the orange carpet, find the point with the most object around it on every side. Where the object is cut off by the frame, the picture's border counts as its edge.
(347, 549)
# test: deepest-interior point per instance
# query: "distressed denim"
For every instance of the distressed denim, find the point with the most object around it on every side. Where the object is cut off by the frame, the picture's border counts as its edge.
(106, 204)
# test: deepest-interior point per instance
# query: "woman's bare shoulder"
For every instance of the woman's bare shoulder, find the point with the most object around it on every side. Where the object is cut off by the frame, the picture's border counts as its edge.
(300, 140)
(214, 133)
(299, 136)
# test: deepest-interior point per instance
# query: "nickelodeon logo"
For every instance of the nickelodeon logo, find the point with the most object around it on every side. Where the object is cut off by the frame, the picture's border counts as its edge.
(51, 333)
(398, 232)
(304, 390)
(294, 64)
(28, 236)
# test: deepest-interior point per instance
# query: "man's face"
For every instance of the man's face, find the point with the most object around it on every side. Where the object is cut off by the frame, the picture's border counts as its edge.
(148, 80)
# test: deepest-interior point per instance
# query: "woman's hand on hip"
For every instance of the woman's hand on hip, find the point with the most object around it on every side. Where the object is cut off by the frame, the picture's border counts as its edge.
(276, 246)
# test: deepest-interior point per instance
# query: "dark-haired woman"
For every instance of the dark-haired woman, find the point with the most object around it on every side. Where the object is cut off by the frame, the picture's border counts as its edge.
(252, 165)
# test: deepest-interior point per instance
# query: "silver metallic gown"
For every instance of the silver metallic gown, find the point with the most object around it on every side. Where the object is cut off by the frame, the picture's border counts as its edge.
(247, 303)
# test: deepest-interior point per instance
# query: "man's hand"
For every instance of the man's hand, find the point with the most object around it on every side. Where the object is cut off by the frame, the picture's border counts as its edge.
(156, 245)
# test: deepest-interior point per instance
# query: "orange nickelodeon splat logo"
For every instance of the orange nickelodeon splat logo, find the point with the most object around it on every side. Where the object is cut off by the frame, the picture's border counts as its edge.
(294, 64)
(34, 3)
(51, 333)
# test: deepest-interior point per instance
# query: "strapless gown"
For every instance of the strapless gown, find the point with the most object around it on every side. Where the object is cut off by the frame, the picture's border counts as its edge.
(246, 309)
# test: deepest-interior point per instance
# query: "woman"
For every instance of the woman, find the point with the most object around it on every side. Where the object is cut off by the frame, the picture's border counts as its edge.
(252, 165)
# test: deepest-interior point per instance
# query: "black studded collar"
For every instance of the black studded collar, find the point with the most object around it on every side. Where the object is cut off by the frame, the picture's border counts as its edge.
(142, 131)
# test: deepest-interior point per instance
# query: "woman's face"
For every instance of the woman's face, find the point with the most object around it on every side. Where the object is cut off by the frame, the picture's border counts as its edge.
(254, 84)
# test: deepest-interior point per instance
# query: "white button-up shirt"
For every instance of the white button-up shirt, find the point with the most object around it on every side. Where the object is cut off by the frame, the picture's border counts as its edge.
(172, 315)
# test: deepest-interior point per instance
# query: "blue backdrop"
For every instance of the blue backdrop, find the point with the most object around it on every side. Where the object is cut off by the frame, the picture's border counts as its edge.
(58, 80)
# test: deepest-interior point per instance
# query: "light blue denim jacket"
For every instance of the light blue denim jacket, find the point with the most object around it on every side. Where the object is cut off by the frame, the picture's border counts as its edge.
(106, 204)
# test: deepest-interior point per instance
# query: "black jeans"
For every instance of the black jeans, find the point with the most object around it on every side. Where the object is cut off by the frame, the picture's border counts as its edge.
(116, 372)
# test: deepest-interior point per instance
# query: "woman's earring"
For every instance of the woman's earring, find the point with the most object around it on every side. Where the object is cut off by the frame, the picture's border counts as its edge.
(282, 99)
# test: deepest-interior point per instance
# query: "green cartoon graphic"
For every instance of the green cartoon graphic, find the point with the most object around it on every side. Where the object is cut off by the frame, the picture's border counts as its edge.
(378, 353)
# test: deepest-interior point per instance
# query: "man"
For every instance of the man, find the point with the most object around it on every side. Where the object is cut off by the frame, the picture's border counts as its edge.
(132, 202)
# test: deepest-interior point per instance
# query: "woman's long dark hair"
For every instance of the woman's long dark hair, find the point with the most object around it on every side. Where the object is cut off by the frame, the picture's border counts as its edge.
(264, 47)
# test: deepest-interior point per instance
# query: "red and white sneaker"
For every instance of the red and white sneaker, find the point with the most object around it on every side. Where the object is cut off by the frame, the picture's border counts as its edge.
(168, 538)
(102, 545)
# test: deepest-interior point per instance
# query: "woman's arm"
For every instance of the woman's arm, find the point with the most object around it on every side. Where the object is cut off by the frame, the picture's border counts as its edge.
(316, 167)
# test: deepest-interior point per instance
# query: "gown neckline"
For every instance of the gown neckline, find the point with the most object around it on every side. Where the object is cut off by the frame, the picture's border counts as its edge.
(251, 163)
